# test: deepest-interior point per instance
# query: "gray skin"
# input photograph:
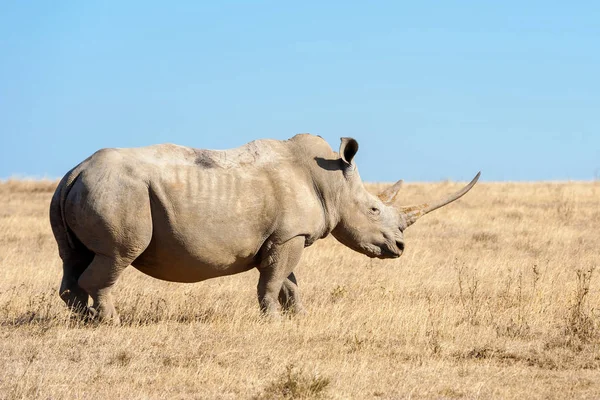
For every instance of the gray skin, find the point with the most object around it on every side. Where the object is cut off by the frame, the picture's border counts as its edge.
(185, 215)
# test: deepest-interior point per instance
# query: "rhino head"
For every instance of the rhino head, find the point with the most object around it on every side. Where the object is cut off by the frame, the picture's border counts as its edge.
(374, 225)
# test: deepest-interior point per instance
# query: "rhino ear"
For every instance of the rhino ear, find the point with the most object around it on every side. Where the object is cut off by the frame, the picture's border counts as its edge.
(348, 149)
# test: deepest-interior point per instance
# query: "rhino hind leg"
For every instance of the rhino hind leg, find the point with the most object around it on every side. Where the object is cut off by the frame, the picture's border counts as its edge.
(289, 296)
(70, 292)
(98, 280)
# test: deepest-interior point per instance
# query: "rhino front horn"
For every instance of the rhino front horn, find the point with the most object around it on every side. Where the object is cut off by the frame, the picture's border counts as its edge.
(413, 213)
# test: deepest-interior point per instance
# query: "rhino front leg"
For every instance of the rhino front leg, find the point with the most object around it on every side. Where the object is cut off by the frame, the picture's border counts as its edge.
(289, 296)
(277, 264)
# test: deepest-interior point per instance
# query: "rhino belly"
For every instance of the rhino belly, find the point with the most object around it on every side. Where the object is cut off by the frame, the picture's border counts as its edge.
(170, 260)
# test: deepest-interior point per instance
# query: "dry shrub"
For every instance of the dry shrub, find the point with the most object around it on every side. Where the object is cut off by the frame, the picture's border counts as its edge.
(580, 320)
(468, 293)
(485, 237)
(565, 204)
(295, 383)
(338, 293)
(121, 358)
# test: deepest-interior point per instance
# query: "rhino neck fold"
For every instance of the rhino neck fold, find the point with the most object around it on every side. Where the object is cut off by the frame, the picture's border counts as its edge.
(329, 205)
(321, 166)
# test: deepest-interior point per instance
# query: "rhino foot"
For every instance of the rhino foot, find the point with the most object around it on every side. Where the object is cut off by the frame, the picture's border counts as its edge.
(96, 315)
(271, 317)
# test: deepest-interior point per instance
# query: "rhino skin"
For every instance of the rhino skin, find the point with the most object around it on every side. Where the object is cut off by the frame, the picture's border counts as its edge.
(185, 215)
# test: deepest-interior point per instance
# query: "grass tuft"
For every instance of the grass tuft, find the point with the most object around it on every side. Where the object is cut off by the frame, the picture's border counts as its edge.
(295, 383)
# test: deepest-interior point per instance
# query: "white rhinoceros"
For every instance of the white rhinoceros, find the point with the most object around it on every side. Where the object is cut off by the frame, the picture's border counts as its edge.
(185, 215)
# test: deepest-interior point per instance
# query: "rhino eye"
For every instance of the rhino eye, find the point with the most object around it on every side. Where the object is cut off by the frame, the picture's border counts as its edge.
(375, 211)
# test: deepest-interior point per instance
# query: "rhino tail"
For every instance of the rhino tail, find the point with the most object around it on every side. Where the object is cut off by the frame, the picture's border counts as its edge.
(57, 208)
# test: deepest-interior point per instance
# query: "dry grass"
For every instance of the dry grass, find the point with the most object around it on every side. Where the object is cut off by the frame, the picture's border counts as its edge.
(495, 297)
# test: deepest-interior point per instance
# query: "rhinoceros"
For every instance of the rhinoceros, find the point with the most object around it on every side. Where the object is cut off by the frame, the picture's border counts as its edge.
(185, 215)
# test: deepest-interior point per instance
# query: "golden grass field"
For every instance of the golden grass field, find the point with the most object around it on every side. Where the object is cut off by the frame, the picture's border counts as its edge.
(496, 296)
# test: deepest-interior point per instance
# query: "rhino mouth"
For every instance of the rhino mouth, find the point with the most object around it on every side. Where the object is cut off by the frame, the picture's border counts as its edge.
(381, 251)
(391, 248)
(384, 251)
(387, 252)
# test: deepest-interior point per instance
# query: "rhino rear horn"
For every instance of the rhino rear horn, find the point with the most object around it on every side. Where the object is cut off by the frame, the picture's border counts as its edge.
(389, 194)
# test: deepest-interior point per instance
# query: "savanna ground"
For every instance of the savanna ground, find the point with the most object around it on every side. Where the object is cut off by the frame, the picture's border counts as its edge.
(496, 296)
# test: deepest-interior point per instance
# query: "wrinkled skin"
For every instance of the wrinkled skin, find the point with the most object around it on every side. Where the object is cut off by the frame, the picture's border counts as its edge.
(186, 215)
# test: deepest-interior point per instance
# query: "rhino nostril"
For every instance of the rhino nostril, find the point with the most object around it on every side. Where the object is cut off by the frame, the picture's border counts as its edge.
(400, 245)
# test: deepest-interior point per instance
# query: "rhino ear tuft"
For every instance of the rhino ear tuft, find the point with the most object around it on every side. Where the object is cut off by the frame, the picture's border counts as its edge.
(348, 149)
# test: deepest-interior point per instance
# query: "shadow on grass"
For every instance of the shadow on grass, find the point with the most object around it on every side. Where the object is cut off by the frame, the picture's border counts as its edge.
(74, 320)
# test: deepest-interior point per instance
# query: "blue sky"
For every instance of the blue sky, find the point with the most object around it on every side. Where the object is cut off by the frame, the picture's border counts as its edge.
(430, 90)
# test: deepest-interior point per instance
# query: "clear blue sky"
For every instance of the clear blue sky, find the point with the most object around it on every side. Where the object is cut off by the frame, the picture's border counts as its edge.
(431, 90)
